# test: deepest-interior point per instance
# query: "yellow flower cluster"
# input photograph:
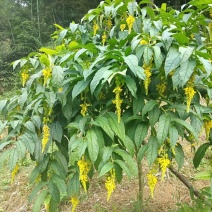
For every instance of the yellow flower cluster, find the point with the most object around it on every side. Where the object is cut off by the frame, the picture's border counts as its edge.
(118, 101)
(122, 27)
(210, 12)
(45, 138)
(164, 162)
(104, 37)
(60, 90)
(24, 77)
(47, 73)
(95, 28)
(148, 74)
(84, 168)
(130, 21)
(14, 172)
(109, 24)
(152, 181)
(189, 92)
(74, 201)
(208, 127)
(84, 109)
(161, 87)
(110, 183)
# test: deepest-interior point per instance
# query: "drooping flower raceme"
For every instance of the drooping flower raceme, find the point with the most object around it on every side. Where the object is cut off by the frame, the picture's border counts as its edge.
(47, 73)
(189, 92)
(74, 201)
(152, 181)
(45, 138)
(104, 37)
(84, 168)
(148, 74)
(130, 21)
(164, 162)
(122, 27)
(14, 172)
(110, 184)
(95, 28)
(84, 108)
(208, 127)
(118, 101)
(161, 87)
(24, 77)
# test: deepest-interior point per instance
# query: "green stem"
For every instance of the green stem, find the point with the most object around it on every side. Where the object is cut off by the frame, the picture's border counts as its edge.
(140, 185)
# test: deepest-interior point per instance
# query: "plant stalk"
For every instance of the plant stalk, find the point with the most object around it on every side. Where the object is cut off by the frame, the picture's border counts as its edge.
(140, 185)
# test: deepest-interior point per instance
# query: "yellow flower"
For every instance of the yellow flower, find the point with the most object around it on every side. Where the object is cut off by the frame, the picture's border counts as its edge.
(118, 101)
(130, 21)
(45, 138)
(84, 168)
(104, 37)
(122, 27)
(60, 90)
(147, 72)
(208, 126)
(95, 28)
(14, 172)
(74, 201)
(109, 24)
(143, 42)
(110, 183)
(189, 92)
(47, 73)
(164, 162)
(24, 77)
(84, 109)
(161, 87)
(152, 181)
(210, 12)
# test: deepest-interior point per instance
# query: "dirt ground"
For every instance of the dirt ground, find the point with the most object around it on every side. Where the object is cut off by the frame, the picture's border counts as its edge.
(14, 198)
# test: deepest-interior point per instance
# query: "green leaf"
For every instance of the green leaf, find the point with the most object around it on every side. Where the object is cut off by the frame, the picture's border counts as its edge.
(131, 85)
(35, 190)
(141, 152)
(181, 38)
(173, 136)
(207, 65)
(124, 167)
(152, 150)
(187, 126)
(48, 51)
(173, 60)
(60, 158)
(73, 27)
(61, 185)
(57, 76)
(98, 76)
(28, 140)
(79, 87)
(107, 152)
(119, 172)
(129, 145)
(45, 60)
(158, 58)
(54, 191)
(200, 153)
(106, 168)
(205, 175)
(148, 106)
(179, 155)
(138, 104)
(13, 159)
(30, 126)
(185, 52)
(56, 131)
(154, 115)
(36, 121)
(196, 123)
(131, 6)
(73, 186)
(163, 128)
(132, 62)
(93, 146)
(105, 125)
(39, 201)
(185, 71)
(141, 133)
(118, 128)
(148, 53)
(21, 149)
